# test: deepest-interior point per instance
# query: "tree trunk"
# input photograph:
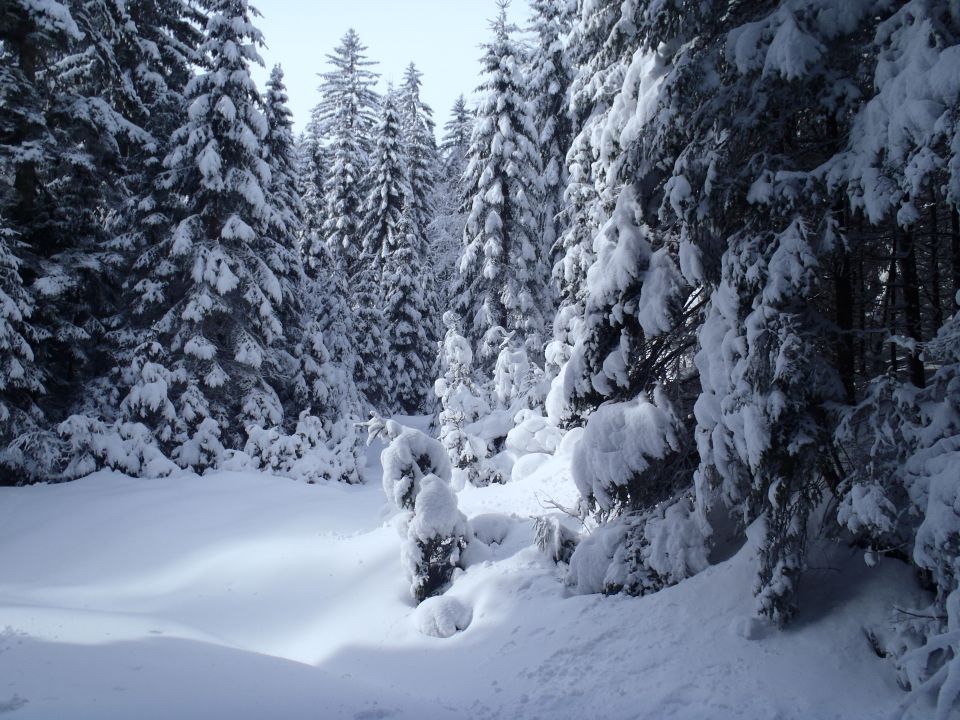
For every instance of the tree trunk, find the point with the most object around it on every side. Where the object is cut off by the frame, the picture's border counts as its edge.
(955, 253)
(846, 355)
(935, 300)
(912, 314)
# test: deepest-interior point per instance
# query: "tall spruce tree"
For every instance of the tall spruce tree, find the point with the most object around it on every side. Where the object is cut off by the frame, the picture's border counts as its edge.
(212, 298)
(346, 116)
(407, 310)
(446, 229)
(383, 223)
(455, 143)
(505, 276)
(549, 75)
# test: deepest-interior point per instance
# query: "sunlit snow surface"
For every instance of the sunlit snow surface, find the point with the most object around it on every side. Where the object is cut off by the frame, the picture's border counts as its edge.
(246, 596)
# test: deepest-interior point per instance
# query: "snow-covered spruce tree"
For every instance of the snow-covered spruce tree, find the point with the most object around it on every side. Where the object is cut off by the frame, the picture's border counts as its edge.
(279, 151)
(20, 378)
(549, 76)
(382, 227)
(68, 126)
(389, 189)
(346, 115)
(455, 143)
(597, 77)
(420, 149)
(407, 315)
(423, 166)
(449, 219)
(311, 181)
(416, 479)
(462, 403)
(505, 279)
(212, 299)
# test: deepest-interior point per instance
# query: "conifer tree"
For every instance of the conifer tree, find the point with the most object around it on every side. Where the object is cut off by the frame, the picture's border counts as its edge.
(382, 225)
(505, 277)
(213, 297)
(69, 126)
(549, 76)
(455, 143)
(446, 229)
(407, 317)
(346, 117)
(420, 148)
(21, 382)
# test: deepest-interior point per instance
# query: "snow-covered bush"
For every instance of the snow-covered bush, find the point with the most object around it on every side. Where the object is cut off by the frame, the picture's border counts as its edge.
(554, 539)
(310, 453)
(127, 447)
(416, 479)
(436, 536)
(533, 433)
(407, 460)
(621, 442)
(641, 553)
(462, 404)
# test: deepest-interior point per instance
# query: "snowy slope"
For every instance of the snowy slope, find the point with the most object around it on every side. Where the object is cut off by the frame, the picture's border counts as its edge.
(247, 596)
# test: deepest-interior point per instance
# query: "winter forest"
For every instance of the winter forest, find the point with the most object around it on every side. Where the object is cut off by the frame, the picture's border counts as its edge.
(627, 387)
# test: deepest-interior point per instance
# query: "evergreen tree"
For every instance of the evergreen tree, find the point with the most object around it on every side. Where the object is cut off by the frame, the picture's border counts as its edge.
(505, 277)
(383, 225)
(423, 164)
(420, 147)
(212, 298)
(280, 153)
(446, 229)
(20, 379)
(549, 77)
(67, 136)
(455, 143)
(346, 116)
(407, 316)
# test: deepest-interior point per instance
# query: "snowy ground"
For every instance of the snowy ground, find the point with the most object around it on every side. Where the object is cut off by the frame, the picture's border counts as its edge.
(247, 596)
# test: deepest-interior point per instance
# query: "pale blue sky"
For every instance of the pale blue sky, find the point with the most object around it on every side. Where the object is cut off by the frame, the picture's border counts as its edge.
(441, 36)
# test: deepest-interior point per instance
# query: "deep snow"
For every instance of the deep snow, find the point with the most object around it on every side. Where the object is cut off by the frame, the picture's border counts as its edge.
(247, 596)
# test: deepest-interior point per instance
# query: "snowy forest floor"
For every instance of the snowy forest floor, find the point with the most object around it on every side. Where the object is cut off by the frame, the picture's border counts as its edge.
(241, 595)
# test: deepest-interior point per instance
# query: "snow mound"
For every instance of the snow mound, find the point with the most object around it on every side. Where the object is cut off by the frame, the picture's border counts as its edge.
(442, 617)
(492, 528)
(534, 434)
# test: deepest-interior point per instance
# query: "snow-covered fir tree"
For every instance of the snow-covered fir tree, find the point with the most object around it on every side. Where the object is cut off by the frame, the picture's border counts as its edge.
(549, 76)
(449, 219)
(505, 280)
(346, 116)
(455, 143)
(407, 317)
(20, 378)
(213, 297)
(68, 136)
(383, 224)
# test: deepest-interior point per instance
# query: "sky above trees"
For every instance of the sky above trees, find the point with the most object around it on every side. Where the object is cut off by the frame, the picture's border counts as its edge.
(441, 36)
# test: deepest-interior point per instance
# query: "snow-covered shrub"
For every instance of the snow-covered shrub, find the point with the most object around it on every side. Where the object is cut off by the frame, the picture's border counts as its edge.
(621, 442)
(436, 535)
(416, 479)
(127, 447)
(517, 382)
(202, 449)
(554, 539)
(407, 460)
(309, 453)
(641, 553)
(877, 436)
(462, 404)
